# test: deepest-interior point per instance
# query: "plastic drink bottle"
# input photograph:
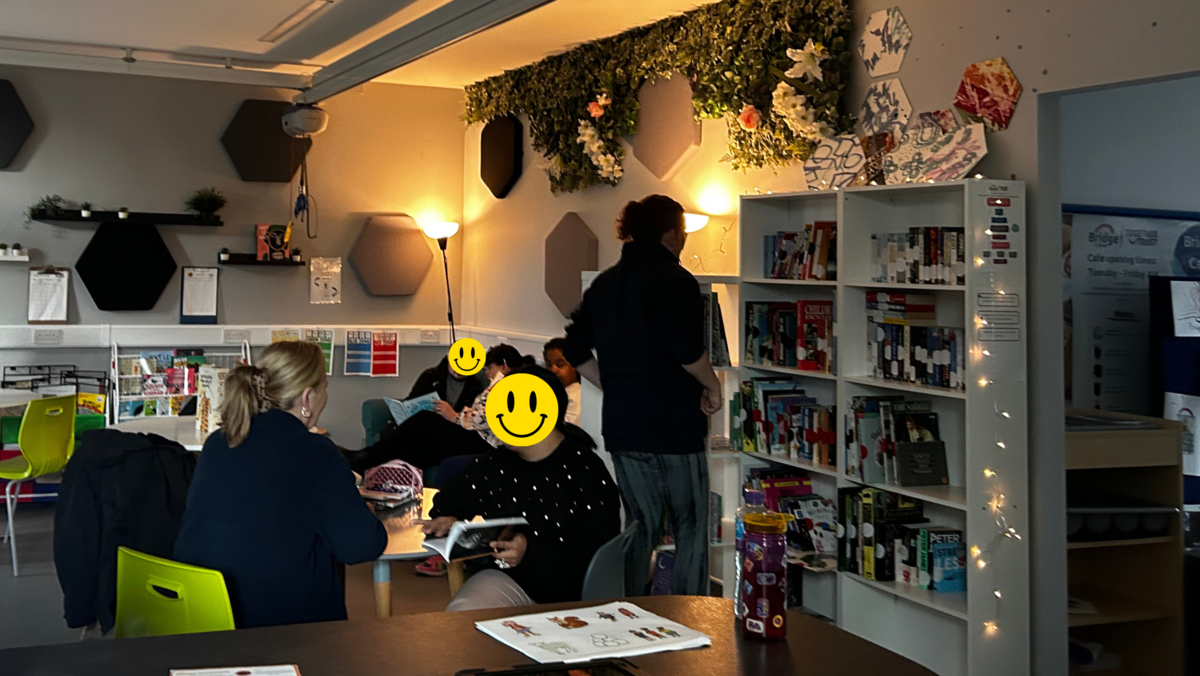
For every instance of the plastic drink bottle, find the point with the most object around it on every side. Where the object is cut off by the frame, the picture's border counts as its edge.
(764, 577)
(753, 504)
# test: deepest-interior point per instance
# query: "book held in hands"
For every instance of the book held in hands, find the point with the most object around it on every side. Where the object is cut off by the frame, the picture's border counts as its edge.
(472, 539)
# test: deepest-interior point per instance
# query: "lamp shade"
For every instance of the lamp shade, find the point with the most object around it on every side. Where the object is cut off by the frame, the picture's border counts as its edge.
(439, 230)
(694, 222)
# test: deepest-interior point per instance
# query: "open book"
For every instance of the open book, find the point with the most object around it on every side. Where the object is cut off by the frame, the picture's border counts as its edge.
(403, 410)
(469, 539)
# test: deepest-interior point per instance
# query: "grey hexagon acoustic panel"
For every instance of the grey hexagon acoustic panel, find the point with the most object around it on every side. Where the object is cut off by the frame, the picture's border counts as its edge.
(571, 248)
(257, 145)
(500, 154)
(15, 123)
(391, 256)
(125, 267)
(668, 133)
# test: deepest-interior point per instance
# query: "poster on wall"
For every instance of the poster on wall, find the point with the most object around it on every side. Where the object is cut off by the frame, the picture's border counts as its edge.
(385, 354)
(324, 338)
(1185, 308)
(358, 352)
(325, 281)
(1107, 265)
(1184, 407)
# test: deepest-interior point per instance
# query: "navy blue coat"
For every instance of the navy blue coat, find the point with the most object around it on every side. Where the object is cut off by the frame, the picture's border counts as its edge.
(275, 516)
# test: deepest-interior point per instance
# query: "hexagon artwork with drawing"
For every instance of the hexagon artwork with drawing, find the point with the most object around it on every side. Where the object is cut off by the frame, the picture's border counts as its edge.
(884, 42)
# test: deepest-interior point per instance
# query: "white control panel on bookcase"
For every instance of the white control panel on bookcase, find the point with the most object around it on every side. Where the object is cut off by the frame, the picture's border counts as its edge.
(997, 496)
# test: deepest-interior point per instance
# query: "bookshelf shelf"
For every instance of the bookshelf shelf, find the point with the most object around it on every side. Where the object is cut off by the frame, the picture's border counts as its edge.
(717, 279)
(952, 604)
(954, 497)
(1120, 543)
(906, 387)
(799, 464)
(791, 371)
(789, 282)
(908, 287)
(1115, 610)
(925, 627)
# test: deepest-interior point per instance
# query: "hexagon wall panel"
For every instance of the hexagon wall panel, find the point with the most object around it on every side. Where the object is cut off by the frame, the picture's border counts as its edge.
(884, 42)
(668, 133)
(257, 145)
(15, 123)
(885, 108)
(571, 248)
(114, 283)
(391, 256)
(500, 154)
(988, 93)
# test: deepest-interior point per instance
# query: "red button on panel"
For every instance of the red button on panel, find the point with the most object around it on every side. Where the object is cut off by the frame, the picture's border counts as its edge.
(1001, 245)
(999, 202)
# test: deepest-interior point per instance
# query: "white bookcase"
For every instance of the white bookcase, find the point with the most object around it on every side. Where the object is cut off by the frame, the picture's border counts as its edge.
(984, 631)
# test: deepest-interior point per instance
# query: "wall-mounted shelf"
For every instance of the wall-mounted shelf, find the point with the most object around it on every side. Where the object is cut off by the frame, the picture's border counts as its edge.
(134, 218)
(251, 259)
(24, 258)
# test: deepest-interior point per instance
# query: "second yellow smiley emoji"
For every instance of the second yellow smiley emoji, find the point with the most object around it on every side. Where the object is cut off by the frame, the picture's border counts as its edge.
(521, 409)
(466, 356)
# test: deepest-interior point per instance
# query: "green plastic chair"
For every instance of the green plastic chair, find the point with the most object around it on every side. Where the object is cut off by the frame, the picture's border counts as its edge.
(157, 597)
(46, 440)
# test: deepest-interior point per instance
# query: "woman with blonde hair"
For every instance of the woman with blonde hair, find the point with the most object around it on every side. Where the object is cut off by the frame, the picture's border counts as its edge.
(273, 506)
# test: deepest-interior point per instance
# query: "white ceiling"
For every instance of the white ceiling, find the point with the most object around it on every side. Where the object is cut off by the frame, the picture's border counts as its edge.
(186, 31)
(550, 29)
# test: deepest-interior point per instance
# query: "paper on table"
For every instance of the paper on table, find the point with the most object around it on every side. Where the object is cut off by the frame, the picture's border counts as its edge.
(48, 295)
(199, 292)
(613, 630)
(277, 670)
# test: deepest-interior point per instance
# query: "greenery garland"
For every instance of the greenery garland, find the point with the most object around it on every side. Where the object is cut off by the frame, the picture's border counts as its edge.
(733, 51)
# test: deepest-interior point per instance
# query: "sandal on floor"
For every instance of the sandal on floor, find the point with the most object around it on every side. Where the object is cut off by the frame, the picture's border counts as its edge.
(434, 566)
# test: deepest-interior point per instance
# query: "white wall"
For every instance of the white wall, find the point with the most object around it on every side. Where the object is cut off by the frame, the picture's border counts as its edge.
(1052, 46)
(147, 143)
(1136, 146)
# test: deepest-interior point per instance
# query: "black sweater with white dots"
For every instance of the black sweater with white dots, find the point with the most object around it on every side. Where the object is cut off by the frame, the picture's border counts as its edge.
(569, 499)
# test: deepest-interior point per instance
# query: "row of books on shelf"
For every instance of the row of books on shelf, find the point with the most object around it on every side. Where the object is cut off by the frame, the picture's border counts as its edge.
(774, 416)
(715, 340)
(795, 335)
(923, 255)
(811, 254)
(921, 355)
(160, 374)
(812, 537)
(890, 440)
(886, 538)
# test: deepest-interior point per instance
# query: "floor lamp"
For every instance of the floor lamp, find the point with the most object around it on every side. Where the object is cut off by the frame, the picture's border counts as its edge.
(442, 232)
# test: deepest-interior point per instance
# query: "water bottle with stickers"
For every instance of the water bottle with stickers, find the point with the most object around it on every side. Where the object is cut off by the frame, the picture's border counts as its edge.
(763, 592)
(753, 505)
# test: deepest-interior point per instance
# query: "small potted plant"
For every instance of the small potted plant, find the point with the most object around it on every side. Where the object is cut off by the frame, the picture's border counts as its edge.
(296, 256)
(47, 207)
(85, 209)
(16, 250)
(3, 250)
(205, 202)
(223, 254)
(122, 213)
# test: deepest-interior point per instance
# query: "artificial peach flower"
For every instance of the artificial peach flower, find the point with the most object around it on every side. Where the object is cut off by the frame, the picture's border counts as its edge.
(749, 118)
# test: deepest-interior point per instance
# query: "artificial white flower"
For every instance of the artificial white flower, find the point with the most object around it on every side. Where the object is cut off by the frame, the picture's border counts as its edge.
(606, 163)
(807, 61)
(794, 110)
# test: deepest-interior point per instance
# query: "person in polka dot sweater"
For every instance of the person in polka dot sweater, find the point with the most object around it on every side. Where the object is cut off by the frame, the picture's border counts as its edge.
(561, 487)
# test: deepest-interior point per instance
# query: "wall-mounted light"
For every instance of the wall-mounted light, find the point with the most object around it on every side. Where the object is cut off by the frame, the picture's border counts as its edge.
(694, 222)
(443, 231)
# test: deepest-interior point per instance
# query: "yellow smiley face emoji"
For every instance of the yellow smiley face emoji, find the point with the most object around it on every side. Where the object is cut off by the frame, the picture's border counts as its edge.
(522, 409)
(466, 356)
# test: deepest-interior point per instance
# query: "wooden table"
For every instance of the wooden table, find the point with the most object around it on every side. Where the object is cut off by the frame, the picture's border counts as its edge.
(180, 429)
(441, 644)
(13, 402)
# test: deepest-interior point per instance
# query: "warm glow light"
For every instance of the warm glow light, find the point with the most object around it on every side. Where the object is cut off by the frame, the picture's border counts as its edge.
(997, 593)
(978, 261)
(990, 628)
(716, 198)
(989, 473)
(981, 563)
(1001, 293)
(1001, 444)
(987, 353)
(438, 230)
(1005, 414)
(694, 222)
(975, 550)
(988, 231)
(983, 382)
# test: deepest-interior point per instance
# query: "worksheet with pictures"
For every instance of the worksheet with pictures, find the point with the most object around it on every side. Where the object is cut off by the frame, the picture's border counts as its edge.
(609, 631)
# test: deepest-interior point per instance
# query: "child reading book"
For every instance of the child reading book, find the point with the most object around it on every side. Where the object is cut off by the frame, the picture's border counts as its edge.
(560, 488)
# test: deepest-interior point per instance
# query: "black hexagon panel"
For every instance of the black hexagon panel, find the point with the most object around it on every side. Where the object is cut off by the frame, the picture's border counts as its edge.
(257, 145)
(500, 152)
(15, 123)
(125, 267)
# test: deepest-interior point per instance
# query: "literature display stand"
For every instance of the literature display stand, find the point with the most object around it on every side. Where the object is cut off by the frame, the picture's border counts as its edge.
(145, 384)
(966, 358)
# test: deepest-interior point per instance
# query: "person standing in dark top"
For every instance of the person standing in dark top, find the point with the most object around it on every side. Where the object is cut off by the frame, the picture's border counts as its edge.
(639, 334)
(561, 487)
